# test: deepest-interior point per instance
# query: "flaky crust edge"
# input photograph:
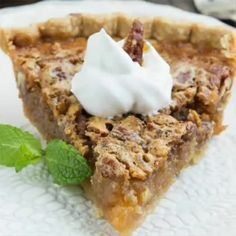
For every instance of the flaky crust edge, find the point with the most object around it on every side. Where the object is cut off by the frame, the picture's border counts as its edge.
(217, 38)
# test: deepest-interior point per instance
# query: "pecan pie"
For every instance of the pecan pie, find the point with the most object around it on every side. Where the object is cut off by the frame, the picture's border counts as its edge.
(135, 158)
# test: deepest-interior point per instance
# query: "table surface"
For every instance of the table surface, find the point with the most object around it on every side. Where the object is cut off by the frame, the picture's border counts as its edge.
(184, 4)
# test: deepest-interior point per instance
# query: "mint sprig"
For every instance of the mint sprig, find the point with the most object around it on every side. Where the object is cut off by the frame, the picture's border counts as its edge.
(19, 149)
(65, 164)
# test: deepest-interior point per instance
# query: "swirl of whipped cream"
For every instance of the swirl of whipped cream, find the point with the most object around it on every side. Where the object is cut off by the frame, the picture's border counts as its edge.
(110, 84)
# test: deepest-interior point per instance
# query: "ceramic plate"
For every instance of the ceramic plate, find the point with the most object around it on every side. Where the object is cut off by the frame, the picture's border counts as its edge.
(202, 201)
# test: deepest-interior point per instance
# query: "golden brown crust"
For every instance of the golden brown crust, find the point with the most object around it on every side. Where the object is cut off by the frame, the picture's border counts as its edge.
(166, 30)
(61, 27)
(83, 25)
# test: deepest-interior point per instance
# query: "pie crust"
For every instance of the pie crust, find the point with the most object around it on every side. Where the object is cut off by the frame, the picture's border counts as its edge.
(135, 158)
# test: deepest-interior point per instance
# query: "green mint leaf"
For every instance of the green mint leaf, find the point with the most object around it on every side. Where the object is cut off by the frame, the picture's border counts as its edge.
(18, 148)
(65, 164)
(26, 158)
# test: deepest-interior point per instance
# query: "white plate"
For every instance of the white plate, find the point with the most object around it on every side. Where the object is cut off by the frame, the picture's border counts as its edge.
(202, 202)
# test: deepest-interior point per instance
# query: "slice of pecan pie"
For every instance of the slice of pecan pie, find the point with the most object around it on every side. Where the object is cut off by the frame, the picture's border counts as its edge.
(135, 157)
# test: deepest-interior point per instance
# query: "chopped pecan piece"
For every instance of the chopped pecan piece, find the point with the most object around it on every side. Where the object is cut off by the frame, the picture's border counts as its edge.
(135, 42)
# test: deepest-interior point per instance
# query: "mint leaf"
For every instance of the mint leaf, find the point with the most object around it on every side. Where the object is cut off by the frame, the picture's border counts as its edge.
(65, 164)
(25, 158)
(18, 148)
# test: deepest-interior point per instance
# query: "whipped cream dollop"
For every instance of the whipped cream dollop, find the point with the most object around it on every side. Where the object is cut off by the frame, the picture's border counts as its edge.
(110, 84)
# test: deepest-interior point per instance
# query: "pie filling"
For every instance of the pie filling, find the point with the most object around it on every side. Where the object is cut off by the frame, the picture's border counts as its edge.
(135, 157)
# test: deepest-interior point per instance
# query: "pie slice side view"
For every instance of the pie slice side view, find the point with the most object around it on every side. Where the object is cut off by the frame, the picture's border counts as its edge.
(135, 158)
